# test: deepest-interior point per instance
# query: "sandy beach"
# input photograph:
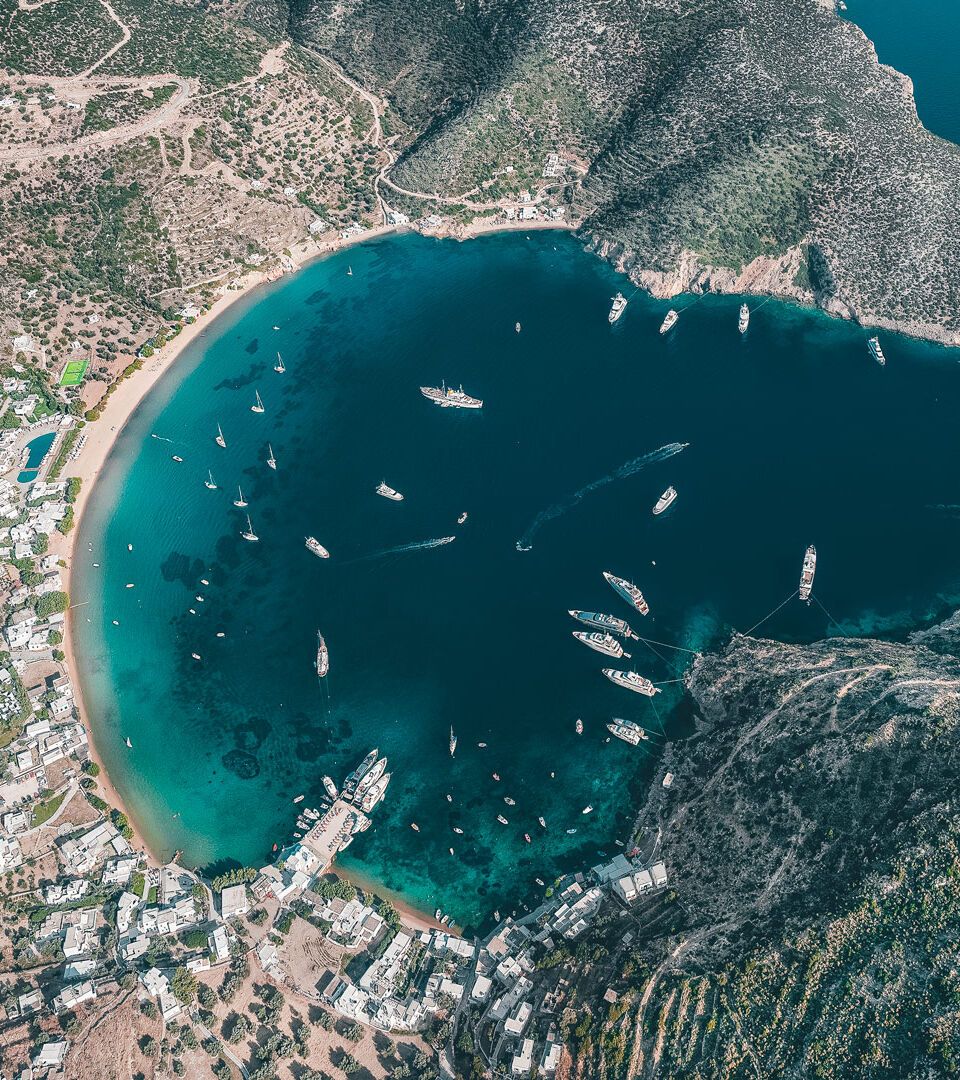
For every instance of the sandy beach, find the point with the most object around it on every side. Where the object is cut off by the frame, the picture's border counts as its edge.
(123, 403)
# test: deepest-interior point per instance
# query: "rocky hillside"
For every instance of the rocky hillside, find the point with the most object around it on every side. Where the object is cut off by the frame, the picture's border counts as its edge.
(813, 839)
(752, 144)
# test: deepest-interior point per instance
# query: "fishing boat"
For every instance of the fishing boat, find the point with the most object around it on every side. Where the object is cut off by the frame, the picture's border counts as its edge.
(604, 622)
(271, 460)
(665, 500)
(587, 810)
(329, 786)
(601, 643)
(628, 591)
(313, 544)
(453, 742)
(257, 406)
(240, 500)
(744, 318)
(220, 440)
(278, 366)
(808, 572)
(177, 457)
(578, 727)
(448, 398)
(248, 533)
(617, 309)
(669, 320)
(322, 662)
(502, 819)
(209, 483)
(543, 823)
(630, 680)
(384, 489)
(462, 518)
(628, 731)
(876, 352)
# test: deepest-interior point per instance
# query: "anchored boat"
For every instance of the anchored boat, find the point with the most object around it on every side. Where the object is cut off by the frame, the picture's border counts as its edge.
(808, 572)
(322, 663)
(629, 731)
(448, 398)
(619, 304)
(876, 352)
(257, 407)
(670, 319)
(384, 489)
(744, 318)
(604, 622)
(628, 591)
(630, 680)
(601, 643)
(312, 544)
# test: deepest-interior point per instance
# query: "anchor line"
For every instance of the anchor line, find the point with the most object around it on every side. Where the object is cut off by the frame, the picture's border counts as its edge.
(666, 645)
(772, 613)
(830, 617)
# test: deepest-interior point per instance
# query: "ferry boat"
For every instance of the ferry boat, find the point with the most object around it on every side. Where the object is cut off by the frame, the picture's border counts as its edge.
(744, 318)
(578, 727)
(462, 518)
(629, 731)
(665, 500)
(313, 544)
(808, 572)
(876, 352)
(271, 460)
(619, 303)
(448, 398)
(630, 680)
(209, 482)
(384, 489)
(322, 662)
(628, 591)
(604, 622)
(453, 742)
(669, 320)
(278, 366)
(601, 643)
(248, 533)
(220, 440)
(329, 786)
(257, 407)
(240, 500)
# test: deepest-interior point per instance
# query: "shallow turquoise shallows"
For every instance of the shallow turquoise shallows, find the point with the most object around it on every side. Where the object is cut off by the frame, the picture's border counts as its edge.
(921, 38)
(795, 434)
(36, 451)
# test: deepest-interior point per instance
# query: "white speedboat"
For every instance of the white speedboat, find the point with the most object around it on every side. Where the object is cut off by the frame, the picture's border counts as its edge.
(314, 545)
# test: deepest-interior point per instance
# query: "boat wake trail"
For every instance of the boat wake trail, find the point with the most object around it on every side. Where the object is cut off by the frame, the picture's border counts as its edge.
(950, 509)
(420, 545)
(161, 438)
(525, 543)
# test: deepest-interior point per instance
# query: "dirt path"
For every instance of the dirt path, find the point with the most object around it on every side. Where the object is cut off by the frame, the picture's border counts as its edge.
(124, 38)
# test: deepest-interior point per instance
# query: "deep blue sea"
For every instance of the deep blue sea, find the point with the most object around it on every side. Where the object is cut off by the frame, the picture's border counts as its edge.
(795, 436)
(921, 38)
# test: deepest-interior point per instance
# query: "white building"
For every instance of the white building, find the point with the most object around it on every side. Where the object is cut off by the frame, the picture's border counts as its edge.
(523, 1059)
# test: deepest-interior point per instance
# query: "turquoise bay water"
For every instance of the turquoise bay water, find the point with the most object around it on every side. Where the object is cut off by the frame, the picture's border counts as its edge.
(36, 451)
(795, 436)
(921, 39)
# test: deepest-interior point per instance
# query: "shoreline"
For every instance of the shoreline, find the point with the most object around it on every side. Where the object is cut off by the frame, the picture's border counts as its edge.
(122, 405)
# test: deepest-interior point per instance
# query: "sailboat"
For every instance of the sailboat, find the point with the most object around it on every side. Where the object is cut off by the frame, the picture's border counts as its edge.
(258, 408)
(271, 460)
(349, 271)
(248, 533)
(278, 366)
(128, 742)
(323, 656)
(209, 482)
(221, 441)
(453, 742)
(240, 500)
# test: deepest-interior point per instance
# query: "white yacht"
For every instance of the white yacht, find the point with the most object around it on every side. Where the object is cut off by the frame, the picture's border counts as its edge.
(669, 320)
(448, 398)
(744, 318)
(240, 501)
(209, 482)
(314, 545)
(629, 731)
(630, 680)
(271, 460)
(257, 406)
(619, 304)
(808, 572)
(876, 352)
(384, 489)
(220, 440)
(665, 500)
(248, 533)
(601, 643)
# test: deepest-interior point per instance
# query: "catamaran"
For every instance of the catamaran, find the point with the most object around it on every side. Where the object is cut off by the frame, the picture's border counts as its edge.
(384, 489)
(808, 572)
(240, 500)
(665, 500)
(627, 590)
(630, 680)
(271, 460)
(220, 440)
(876, 352)
(453, 742)
(314, 545)
(209, 482)
(448, 398)
(669, 320)
(604, 622)
(601, 643)
(629, 731)
(619, 303)
(322, 662)
(278, 366)
(248, 533)
(257, 407)
(744, 318)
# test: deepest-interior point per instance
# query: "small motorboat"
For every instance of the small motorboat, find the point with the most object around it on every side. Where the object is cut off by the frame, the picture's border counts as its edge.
(526, 837)
(587, 810)
(176, 457)
(570, 832)
(449, 798)
(450, 850)
(437, 914)
(196, 656)
(496, 776)
(543, 823)
(204, 581)
(414, 826)
(458, 830)
(482, 745)
(509, 801)
(502, 819)
(129, 547)
(579, 727)
(128, 742)
(130, 585)
(517, 327)
(220, 633)
(462, 518)
(298, 799)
